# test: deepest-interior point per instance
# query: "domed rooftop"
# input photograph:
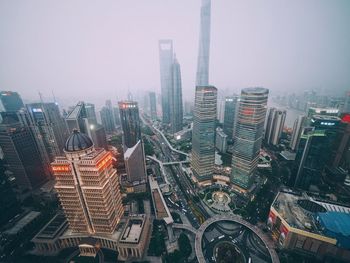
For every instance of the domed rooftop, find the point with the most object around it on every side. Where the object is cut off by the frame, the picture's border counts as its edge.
(77, 142)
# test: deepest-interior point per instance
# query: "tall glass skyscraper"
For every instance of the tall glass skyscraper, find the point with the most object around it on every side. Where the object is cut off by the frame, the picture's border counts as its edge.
(248, 135)
(153, 105)
(204, 45)
(230, 115)
(176, 112)
(203, 133)
(10, 101)
(129, 116)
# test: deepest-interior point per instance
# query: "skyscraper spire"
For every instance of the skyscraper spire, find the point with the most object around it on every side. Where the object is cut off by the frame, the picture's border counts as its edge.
(204, 44)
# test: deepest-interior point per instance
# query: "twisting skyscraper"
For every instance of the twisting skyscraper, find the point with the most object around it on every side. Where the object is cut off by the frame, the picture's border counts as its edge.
(204, 45)
(203, 134)
(248, 135)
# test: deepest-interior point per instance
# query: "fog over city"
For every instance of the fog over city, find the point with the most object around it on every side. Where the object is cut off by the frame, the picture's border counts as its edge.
(95, 50)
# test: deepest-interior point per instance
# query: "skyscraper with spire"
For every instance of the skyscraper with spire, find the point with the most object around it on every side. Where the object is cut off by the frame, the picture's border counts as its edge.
(202, 78)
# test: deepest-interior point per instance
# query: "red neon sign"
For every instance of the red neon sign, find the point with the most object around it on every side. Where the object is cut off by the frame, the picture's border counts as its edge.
(60, 168)
(346, 118)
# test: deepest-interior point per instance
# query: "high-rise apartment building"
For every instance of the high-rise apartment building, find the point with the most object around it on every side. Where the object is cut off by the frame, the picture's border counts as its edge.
(130, 120)
(274, 125)
(88, 187)
(202, 78)
(176, 110)
(230, 115)
(203, 134)
(153, 105)
(21, 153)
(248, 135)
(10, 101)
(297, 129)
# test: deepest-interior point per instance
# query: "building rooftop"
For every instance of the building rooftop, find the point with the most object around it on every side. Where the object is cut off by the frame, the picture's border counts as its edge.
(52, 229)
(77, 142)
(313, 215)
(76, 111)
(23, 222)
(133, 230)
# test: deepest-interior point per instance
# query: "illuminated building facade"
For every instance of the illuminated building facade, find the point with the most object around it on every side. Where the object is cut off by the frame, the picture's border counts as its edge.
(87, 186)
(130, 120)
(203, 133)
(248, 135)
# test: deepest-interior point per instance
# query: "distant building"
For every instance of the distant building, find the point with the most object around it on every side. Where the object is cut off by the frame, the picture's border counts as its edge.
(153, 105)
(310, 227)
(221, 110)
(21, 153)
(346, 106)
(248, 135)
(297, 129)
(221, 141)
(90, 113)
(274, 125)
(79, 189)
(176, 108)
(342, 144)
(98, 136)
(107, 119)
(203, 134)
(10, 101)
(230, 115)
(130, 120)
(322, 111)
(135, 165)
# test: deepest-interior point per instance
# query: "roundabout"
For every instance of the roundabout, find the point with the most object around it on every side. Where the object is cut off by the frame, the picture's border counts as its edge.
(228, 238)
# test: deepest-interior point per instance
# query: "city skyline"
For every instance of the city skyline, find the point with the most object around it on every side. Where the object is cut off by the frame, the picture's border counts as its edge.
(317, 60)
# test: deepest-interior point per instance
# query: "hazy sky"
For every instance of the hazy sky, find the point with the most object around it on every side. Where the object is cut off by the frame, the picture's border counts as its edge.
(97, 50)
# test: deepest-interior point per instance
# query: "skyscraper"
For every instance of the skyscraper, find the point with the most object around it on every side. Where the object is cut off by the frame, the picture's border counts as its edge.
(166, 61)
(130, 120)
(203, 134)
(176, 110)
(48, 127)
(346, 107)
(107, 119)
(153, 105)
(248, 135)
(21, 153)
(10, 101)
(90, 113)
(204, 45)
(297, 129)
(230, 115)
(88, 187)
(274, 125)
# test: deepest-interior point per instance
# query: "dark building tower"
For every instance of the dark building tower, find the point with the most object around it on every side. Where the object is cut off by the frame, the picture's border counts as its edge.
(10, 101)
(342, 146)
(48, 127)
(274, 125)
(166, 61)
(153, 105)
(130, 120)
(21, 153)
(248, 135)
(176, 111)
(90, 113)
(297, 130)
(203, 133)
(230, 115)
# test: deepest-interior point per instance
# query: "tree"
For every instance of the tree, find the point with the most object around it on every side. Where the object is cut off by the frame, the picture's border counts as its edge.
(184, 245)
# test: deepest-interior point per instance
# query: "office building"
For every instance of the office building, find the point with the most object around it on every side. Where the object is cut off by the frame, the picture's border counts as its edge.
(77, 119)
(10, 101)
(85, 177)
(202, 77)
(153, 105)
(48, 126)
(248, 135)
(230, 115)
(98, 136)
(21, 153)
(274, 125)
(203, 134)
(322, 111)
(342, 144)
(315, 228)
(221, 110)
(130, 120)
(136, 166)
(176, 110)
(297, 129)
(90, 113)
(166, 75)
(221, 141)
(346, 106)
